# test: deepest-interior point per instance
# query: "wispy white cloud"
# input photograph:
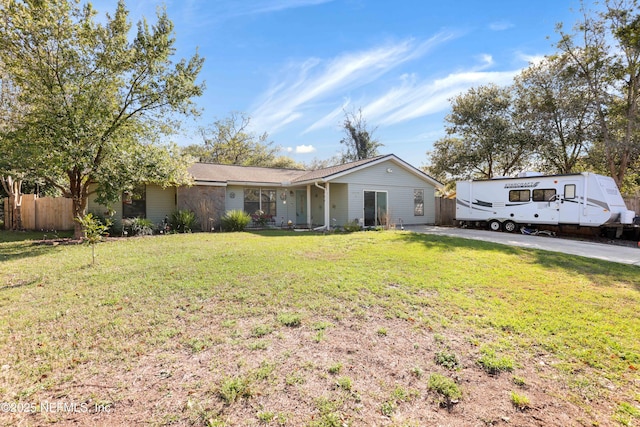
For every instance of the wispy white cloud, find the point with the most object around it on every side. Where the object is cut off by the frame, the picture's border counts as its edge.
(253, 7)
(486, 61)
(500, 25)
(330, 119)
(413, 98)
(315, 80)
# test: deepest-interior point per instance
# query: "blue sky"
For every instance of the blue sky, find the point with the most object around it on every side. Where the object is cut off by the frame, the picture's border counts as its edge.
(295, 65)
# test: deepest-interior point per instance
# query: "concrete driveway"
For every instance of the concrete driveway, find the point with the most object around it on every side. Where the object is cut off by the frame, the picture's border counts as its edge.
(613, 253)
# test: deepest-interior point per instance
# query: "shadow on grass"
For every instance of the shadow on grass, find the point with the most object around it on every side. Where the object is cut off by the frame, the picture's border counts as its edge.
(600, 272)
(26, 244)
(285, 232)
(451, 243)
(19, 251)
(21, 236)
(19, 284)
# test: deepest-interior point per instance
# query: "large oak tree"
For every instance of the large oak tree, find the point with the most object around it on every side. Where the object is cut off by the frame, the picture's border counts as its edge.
(484, 137)
(555, 105)
(604, 50)
(96, 102)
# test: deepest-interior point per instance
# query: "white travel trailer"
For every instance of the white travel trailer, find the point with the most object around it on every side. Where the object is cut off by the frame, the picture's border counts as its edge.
(581, 199)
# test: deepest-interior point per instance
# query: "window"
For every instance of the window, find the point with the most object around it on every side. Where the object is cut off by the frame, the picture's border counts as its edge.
(260, 199)
(519, 195)
(251, 200)
(418, 202)
(268, 202)
(570, 191)
(134, 203)
(544, 194)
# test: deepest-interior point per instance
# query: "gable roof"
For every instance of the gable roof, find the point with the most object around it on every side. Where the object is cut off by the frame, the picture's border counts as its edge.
(215, 174)
(212, 173)
(324, 174)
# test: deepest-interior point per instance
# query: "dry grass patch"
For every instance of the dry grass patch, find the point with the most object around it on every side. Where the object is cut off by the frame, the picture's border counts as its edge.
(242, 329)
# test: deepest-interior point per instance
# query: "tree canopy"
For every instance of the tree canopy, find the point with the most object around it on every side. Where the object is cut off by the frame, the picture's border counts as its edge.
(230, 141)
(604, 50)
(555, 105)
(95, 102)
(577, 109)
(484, 137)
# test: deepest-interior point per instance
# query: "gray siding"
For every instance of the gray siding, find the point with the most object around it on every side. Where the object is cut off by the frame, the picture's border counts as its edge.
(399, 184)
(339, 203)
(287, 208)
(98, 209)
(160, 202)
(317, 206)
(237, 202)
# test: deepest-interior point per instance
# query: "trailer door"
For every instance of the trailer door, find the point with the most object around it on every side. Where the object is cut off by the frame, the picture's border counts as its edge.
(570, 202)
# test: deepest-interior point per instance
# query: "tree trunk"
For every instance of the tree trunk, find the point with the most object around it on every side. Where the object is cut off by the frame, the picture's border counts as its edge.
(79, 196)
(13, 188)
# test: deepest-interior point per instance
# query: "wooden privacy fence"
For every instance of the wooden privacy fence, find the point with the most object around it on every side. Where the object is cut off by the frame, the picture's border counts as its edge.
(446, 209)
(633, 203)
(42, 213)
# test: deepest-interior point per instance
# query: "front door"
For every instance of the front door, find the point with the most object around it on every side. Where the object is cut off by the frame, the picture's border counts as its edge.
(375, 208)
(301, 207)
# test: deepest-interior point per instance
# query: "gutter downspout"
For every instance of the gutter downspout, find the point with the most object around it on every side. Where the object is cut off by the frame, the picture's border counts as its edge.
(325, 189)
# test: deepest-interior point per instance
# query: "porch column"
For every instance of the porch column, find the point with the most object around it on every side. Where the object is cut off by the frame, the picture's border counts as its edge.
(309, 206)
(327, 207)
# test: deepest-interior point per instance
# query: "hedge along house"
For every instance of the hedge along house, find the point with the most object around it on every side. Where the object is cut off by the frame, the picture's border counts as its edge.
(383, 190)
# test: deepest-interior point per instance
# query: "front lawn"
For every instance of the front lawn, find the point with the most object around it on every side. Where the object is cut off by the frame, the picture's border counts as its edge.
(287, 328)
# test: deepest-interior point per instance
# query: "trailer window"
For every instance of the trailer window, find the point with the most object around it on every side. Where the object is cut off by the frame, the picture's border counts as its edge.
(519, 195)
(544, 194)
(570, 191)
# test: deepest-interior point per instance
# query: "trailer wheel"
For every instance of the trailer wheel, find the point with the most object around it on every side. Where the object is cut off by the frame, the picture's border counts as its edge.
(494, 225)
(509, 226)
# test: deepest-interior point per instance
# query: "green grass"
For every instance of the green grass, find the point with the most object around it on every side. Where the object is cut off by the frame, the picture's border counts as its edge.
(57, 309)
(235, 388)
(494, 363)
(446, 388)
(520, 401)
(447, 359)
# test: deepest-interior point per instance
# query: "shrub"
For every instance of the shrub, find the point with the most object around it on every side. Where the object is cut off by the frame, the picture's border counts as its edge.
(183, 221)
(138, 226)
(106, 220)
(235, 220)
(352, 226)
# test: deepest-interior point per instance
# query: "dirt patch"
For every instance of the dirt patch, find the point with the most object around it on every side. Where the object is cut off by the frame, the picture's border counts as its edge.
(365, 370)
